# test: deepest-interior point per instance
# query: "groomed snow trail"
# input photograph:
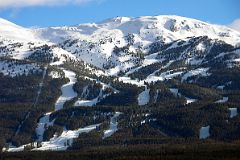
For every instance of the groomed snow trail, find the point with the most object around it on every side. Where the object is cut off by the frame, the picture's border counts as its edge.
(113, 126)
(67, 94)
(59, 143)
(67, 90)
(101, 96)
(62, 142)
(43, 122)
(144, 97)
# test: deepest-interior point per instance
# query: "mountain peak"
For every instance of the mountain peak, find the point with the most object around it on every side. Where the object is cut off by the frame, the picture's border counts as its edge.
(116, 19)
(15, 32)
(6, 22)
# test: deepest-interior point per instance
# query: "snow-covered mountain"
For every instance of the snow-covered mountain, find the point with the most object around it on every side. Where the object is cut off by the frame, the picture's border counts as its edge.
(14, 32)
(140, 32)
(100, 39)
(163, 63)
(149, 28)
(132, 50)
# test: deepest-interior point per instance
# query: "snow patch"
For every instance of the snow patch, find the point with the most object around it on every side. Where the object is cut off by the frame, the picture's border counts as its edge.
(144, 97)
(189, 100)
(204, 132)
(233, 112)
(201, 47)
(54, 74)
(224, 100)
(86, 103)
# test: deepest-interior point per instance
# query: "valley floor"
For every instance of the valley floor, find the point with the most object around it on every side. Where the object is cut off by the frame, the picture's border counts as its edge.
(139, 152)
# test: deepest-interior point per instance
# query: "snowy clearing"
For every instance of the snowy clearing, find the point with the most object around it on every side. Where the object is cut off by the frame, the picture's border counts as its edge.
(189, 100)
(204, 132)
(144, 97)
(233, 112)
(174, 91)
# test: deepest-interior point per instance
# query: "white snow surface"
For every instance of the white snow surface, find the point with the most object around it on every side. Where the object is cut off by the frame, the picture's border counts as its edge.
(233, 112)
(224, 100)
(221, 87)
(54, 74)
(152, 77)
(176, 93)
(65, 140)
(163, 76)
(131, 81)
(190, 100)
(58, 143)
(43, 122)
(144, 97)
(113, 32)
(101, 96)
(204, 132)
(10, 30)
(67, 90)
(13, 69)
(86, 103)
(199, 71)
(102, 38)
(113, 126)
(67, 94)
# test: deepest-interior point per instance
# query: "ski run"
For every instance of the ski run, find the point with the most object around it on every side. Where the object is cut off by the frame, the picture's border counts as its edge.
(65, 140)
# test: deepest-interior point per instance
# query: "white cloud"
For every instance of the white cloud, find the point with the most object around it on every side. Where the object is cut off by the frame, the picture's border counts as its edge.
(235, 25)
(26, 3)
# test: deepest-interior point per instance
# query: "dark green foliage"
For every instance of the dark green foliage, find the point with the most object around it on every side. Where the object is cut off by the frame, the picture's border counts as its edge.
(127, 96)
(51, 131)
(74, 118)
(199, 151)
(21, 89)
(146, 132)
(200, 93)
(42, 54)
(11, 116)
(143, 72)
(17, 101)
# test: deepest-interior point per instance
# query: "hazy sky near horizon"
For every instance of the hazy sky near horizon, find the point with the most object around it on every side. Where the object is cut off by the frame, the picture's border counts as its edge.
(45, 13)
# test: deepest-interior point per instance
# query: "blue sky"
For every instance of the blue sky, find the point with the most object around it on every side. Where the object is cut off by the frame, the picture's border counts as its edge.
(69, 12)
